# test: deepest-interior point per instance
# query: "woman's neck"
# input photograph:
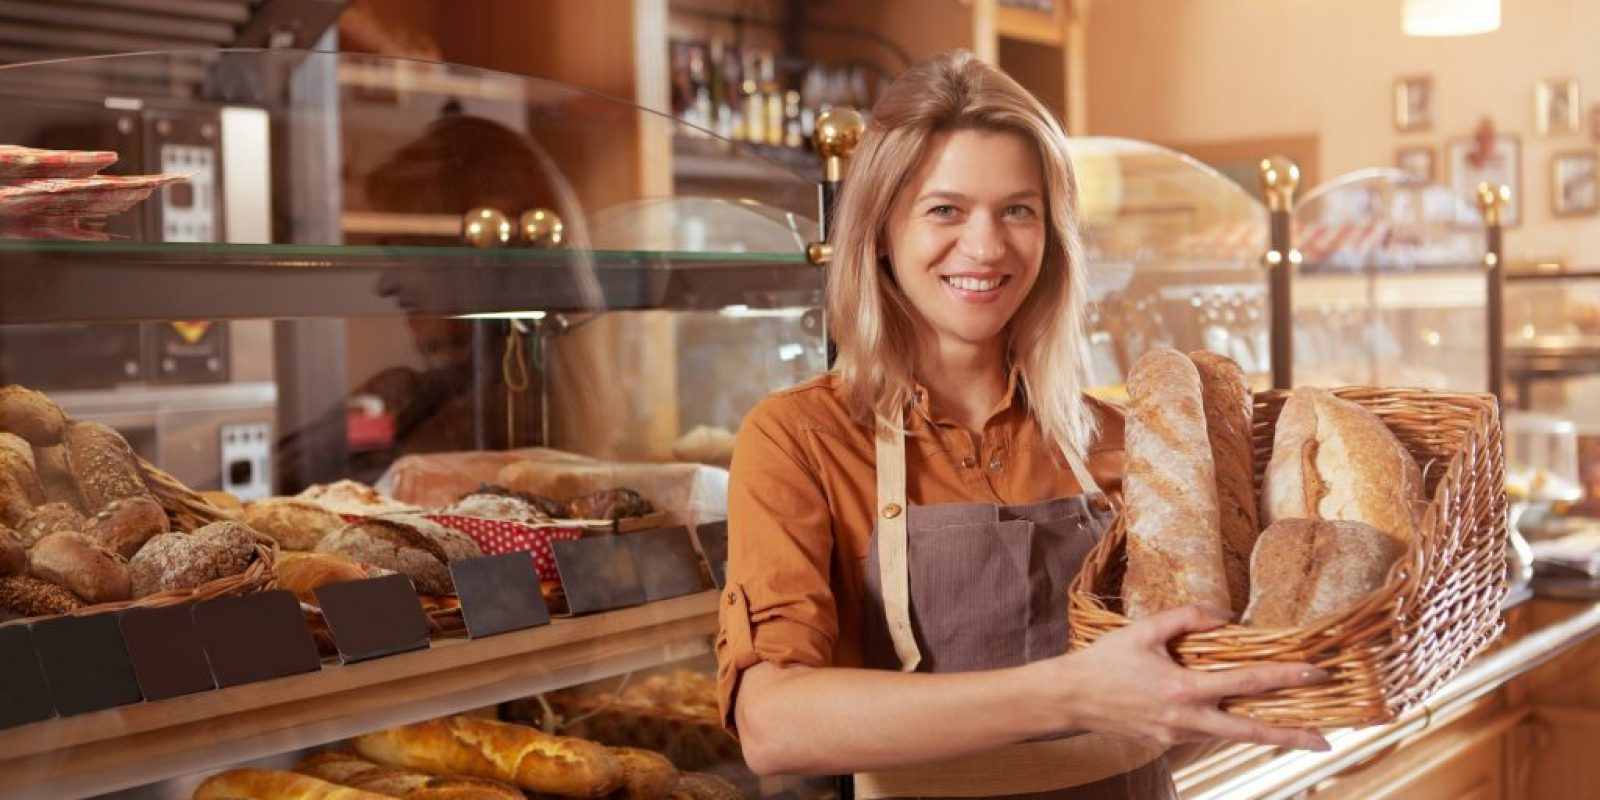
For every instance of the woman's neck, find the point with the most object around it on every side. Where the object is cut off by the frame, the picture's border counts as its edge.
(965, 382)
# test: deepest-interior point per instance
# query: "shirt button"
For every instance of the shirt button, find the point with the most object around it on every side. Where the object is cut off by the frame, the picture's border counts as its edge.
(891, 511)
(969, 462)
(995, 463)
(732, 598)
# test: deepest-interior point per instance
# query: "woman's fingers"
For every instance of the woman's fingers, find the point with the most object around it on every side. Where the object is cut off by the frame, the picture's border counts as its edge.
(1244, 729)
(1158, 629)
(1256, 680)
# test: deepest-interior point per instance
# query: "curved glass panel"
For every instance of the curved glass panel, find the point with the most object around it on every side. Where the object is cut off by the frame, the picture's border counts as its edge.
(1391, 289)
(1173, 249)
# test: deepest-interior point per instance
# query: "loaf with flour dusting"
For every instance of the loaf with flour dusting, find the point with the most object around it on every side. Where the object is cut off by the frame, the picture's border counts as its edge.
(515, 754)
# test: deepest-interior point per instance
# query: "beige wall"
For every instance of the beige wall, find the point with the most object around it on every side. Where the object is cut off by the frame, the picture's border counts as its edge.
(1218, 70)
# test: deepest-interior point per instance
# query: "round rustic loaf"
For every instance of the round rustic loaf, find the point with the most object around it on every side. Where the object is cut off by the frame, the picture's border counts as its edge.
(184, 561)
(20, 491)
(126, 524)
(31, 415)
(51, 518)
(413, 546)
(27, 596)
(295, 524)
(80, 564)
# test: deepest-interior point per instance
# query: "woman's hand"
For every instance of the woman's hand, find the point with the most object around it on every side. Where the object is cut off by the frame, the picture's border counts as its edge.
(1127, 684)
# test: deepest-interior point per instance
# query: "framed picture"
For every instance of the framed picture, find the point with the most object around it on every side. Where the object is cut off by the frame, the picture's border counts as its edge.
(1417, 162)
(1471, 165)
(1557, 107)
(1413, 103)
(1573, 187)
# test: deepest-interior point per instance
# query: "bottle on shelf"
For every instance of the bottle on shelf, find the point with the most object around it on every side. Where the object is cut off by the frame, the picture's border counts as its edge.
(755, 113)
(793, 136)
(772, 95)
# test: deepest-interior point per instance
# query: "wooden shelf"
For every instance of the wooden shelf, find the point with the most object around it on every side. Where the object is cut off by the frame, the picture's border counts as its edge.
(106, 751)
(1028, 25)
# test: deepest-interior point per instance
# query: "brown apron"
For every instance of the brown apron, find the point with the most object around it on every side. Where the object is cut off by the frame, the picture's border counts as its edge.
(972, 586)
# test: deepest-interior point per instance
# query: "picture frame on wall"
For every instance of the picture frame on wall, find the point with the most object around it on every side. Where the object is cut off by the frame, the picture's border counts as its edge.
(1417, 162)
(1575, 183)
(1413, 103)
(1557, 107)
(1501, 164)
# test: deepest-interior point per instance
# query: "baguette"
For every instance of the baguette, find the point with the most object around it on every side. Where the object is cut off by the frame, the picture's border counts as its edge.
(349, 769)
(1170, 490)
(20, 491)
(103, 466)
(1306, 570)
(269, 784)
(1229, 409)
(1335, 460)
(79, 563)
(31, 415)
(500, 751)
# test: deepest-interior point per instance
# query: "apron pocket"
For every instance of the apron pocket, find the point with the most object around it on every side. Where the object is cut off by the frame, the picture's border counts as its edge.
(970, 594)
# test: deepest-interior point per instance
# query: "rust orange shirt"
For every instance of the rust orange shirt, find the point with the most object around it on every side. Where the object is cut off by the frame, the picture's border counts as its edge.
(801, 506)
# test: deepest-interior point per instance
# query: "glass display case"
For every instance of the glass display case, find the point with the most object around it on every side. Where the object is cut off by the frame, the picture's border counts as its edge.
(273, 270)
(1391, 290)
(1174, 252)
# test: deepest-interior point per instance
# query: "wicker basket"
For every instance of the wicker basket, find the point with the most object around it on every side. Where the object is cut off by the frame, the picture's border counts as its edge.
(184, 506)
(1438, 609)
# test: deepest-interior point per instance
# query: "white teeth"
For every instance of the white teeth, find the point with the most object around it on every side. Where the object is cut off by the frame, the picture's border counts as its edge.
(974, 284)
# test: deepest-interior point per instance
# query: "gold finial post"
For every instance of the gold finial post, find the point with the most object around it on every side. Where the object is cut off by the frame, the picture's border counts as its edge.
(1279, 179)
(540, 227)
(486, 227)
(1493, 201)
(838, 132)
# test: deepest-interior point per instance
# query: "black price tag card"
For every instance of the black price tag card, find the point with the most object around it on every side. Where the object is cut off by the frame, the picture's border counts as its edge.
(713, 538)
(598, 573)
(86, 663)
(24, 695)
(168, 657)
(256, 637)
(499, 594)
(668, 565)
(374, 618)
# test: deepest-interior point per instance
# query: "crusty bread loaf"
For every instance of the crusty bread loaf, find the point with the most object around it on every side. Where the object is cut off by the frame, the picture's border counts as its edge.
(183, 561)
(13, 555)
(1229, 409)
(230, 506)
(270, 784)
(349, 769)
(51, 518)
(82, 565)
(700, 786)
(500, 751)
(1306, 570)
(27, 596)
(1170, 492)
(20, 491)
(126, 524)
(413, 546)
(54, 476)
(31, 415)
(296, 524)
(103, 466)
(302, 573)
(1333, 459)
(646, 775)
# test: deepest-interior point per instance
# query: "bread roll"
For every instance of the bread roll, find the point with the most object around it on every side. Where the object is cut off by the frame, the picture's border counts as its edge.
(499, 751)
(103, 465)
(126, 524)
(1229, 409)
(413, 546)
(1170, 492)
(31, 415)
(13, 556)
(1306, 570)
(51, 518)
(54, 476)
(302, 573)
(81, 564)
(183, 561)
(295, 524)
(700, 786)
(646, 775)
(20, 491)
(27, 596)
(269, 784)
(1333, 459)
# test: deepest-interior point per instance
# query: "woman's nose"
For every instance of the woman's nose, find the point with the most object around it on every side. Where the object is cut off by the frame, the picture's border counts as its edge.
(983, 239)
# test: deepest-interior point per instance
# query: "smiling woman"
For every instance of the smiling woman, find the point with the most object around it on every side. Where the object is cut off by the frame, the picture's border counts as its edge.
(921, 508)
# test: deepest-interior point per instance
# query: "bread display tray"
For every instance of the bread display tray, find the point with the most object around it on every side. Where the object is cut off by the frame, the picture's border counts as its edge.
(1439, 607)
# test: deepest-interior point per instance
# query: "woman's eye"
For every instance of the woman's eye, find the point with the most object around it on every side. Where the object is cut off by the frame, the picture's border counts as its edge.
(1021, 212)
(942, 211)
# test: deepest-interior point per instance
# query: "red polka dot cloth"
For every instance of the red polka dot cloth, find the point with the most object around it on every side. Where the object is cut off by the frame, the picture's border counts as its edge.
(500, 536)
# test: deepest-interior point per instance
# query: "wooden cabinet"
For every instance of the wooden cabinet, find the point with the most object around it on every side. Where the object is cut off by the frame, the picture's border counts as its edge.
(1464, 760)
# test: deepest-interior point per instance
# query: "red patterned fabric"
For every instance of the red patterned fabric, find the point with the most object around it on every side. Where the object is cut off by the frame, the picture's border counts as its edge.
(27, 163)
(101, 195)
(499, 536)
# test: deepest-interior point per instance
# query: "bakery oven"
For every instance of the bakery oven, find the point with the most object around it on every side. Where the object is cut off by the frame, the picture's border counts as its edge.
(193, 396)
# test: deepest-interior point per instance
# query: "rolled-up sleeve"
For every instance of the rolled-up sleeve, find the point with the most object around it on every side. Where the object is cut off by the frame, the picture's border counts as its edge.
(778, 604)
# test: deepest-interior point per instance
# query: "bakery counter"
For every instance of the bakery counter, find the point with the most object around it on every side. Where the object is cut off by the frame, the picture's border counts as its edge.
(106, 751)
(1476, 737)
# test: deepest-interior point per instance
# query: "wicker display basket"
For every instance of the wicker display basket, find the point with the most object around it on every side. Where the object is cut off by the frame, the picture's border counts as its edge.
(1439, 607)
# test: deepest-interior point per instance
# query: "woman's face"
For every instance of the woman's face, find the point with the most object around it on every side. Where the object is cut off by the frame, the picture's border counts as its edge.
(966, 237)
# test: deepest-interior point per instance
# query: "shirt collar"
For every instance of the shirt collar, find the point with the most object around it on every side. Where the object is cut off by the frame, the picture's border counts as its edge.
(1012, 399)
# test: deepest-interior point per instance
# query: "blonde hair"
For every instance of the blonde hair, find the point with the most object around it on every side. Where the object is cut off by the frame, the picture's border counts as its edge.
(873, 322)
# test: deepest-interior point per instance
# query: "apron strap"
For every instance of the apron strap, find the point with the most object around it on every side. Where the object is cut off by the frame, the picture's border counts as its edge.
(1086, 482)
(893, 560)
